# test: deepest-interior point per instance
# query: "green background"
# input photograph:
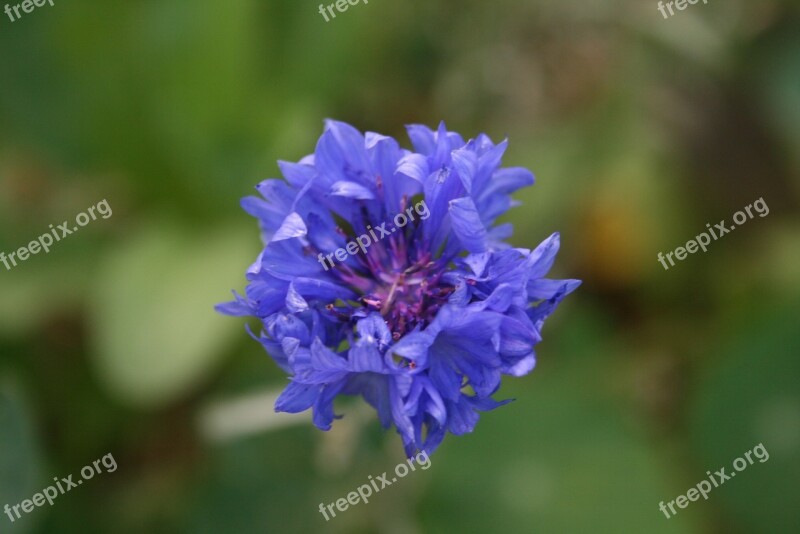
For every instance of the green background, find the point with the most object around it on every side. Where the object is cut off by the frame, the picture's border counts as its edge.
(640, 131)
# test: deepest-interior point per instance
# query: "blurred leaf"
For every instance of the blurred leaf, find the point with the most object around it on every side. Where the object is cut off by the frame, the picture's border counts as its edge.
(777, 77)
(156, 334)
(30, 292)
(259, 484)
(19, 457)
(749, 397)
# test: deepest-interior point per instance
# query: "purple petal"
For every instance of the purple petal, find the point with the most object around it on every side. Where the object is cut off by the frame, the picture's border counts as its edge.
(467, 225)
(292, 226)
(297, 398)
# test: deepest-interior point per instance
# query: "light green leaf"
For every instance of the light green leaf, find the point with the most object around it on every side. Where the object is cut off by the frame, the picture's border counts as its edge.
(155, 332)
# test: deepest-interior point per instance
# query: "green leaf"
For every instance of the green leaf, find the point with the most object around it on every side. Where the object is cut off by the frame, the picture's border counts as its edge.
(156, 334)
(19, 457)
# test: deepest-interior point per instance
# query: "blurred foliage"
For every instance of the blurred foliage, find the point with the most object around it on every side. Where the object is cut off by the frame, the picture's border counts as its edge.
(640, 131)
(146, 351)
(20, 459)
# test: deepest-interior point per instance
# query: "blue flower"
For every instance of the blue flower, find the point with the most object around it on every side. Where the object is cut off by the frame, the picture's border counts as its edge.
(421, 313)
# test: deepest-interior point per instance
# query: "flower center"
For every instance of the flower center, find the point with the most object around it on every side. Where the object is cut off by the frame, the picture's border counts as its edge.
(408, 299)
(406, 292)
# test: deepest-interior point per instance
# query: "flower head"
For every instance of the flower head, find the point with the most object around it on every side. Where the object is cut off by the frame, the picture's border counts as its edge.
(384, 275)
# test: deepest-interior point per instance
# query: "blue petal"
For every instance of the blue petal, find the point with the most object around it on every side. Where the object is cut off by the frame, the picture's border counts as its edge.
(489, 161)
(540, 312)
(521, 367)
(375, 390)
(461, 418)
(322, 233)
(292, 226)
(434, 438)
(440, 188)
(399, 415)
(351, 143)
(286, 260)
(296, 174)
(323, 358)
(462, 295)
(267, 293)
(466, 341)
(444, 377)
(288, 325)
(492, 207)
(385, 153)
(543, 257)
(441, 155)
(323, 408)
(478, 262)
(517, 336)
(365, 357)
(315, 289)
(351, 190)
(508, 180)
(273, 349)
(299, 361)
(413, 347)
(297, 398)
(373, 329)
(294, 302)
(467, 225)
(465, 162)
(543, 289)
(341, 153)
(422, 138)
(500, 299)
(498, 234)
(483, 378)
(435, 404)
(237, 308)
(414, 166)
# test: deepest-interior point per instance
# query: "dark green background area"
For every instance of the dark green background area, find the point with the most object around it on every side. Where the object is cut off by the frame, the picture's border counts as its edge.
(640, 130)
